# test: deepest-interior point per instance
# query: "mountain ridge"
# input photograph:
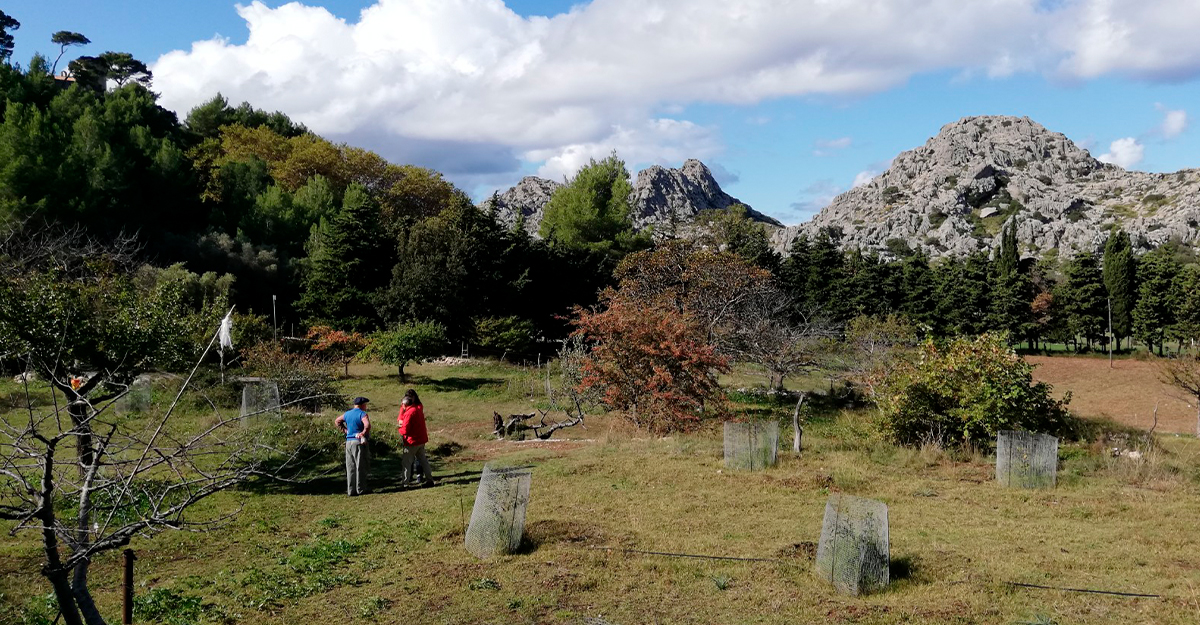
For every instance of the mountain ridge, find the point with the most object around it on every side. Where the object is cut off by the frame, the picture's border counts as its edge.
(952, 195)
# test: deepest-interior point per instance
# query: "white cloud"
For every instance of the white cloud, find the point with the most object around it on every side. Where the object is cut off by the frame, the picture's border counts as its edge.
(475, 88)
(863, 177)
(825, 147)
(1153, 40)
(1174, 122)
(1125, 152)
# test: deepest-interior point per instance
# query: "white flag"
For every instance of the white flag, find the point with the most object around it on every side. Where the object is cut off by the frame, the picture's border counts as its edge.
(225, 334)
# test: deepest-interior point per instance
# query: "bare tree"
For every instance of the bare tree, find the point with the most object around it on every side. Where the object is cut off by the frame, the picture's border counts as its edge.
(129, 477)
(78, 473)
(766, 331)
(873, 346)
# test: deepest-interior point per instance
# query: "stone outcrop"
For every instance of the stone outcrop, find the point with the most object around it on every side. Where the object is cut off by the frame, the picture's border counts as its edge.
(523, 203)
(661, 198)
(952, 195)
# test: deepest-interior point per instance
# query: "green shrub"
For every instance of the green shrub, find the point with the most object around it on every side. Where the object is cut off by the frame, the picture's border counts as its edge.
(505, 335)
(170, 607)
(964, 392)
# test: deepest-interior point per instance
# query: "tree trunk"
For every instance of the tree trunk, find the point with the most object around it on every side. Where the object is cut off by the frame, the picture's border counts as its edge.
(83, 598)
(797, 430)
(401, 368)
(66, 598)
(53, 570)
(78, 410)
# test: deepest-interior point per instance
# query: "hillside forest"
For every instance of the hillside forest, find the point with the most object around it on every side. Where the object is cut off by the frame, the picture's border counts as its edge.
(319, 233)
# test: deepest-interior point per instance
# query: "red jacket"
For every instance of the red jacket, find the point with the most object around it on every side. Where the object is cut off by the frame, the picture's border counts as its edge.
(412, 425)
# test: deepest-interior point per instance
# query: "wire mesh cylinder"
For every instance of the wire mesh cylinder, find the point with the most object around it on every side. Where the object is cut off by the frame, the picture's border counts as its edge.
(498, 518)
(853, 554)
(260, 398)
(751, 446)
(1026, 460)
(137, 399)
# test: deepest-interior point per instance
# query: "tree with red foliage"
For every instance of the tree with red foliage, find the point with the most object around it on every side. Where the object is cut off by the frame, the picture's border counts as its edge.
(650, 361)
(660, 338)
(337, 345)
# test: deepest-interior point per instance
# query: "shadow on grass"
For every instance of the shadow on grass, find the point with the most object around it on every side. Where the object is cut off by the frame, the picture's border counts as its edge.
(441, 385)
(327, 474)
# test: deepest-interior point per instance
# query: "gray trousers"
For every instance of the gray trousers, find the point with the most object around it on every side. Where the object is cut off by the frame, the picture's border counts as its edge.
(410, 454)
(358, 464)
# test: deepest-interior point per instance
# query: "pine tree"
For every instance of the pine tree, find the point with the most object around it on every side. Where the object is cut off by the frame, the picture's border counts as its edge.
(1154, 314)
(793, 275)
(343, 266)
(1084, 298)
(1187, 305)
(826, 276)
(1119, 279)
(917, 286)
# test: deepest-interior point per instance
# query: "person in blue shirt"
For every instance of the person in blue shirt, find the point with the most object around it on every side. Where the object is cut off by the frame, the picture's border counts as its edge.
(355, 424)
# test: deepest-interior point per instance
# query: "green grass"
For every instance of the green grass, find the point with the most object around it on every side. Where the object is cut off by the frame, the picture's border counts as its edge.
(311, 555)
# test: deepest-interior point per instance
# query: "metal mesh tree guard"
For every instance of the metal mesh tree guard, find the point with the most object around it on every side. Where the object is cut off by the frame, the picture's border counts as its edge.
(751, 446)
(260, 398)
(498, 518)
(853, 553)
(137, 399)
(1026, 460)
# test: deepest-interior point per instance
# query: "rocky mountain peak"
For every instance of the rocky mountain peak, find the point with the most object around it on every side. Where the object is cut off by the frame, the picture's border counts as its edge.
(523, 203)
(660, 196)
(953, 194)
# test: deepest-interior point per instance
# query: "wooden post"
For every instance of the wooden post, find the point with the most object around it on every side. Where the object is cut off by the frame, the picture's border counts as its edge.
(127, 589)
(1110, 334)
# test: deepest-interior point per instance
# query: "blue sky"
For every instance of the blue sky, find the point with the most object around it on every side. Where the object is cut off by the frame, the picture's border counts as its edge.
(788, 103)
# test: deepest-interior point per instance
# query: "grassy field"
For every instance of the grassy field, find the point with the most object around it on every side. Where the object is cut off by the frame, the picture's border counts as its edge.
(308, 553)
(1126, 393)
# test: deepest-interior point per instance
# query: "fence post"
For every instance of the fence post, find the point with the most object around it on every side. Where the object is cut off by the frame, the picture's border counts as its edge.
(127, 589)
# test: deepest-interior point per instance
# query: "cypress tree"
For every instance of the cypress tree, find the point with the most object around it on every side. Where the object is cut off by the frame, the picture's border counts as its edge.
(1012, 291)
(1187, 304)
(1154, 312)
(1119, 280)
(1084, 298)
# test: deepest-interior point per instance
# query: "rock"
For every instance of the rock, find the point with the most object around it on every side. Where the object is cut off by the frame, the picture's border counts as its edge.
(22, 378)
(933, 197)
(661, 197)
(523, 202)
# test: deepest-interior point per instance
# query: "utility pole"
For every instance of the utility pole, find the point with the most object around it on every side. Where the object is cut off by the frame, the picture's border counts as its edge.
(1110, 334)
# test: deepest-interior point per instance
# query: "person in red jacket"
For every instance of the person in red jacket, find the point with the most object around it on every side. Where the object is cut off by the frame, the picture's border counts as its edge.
(413, 437)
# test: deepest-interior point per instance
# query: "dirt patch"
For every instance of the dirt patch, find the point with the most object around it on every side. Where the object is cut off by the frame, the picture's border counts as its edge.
(806, 550)
(551, 531)
(493, 448)
(1127, 393)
